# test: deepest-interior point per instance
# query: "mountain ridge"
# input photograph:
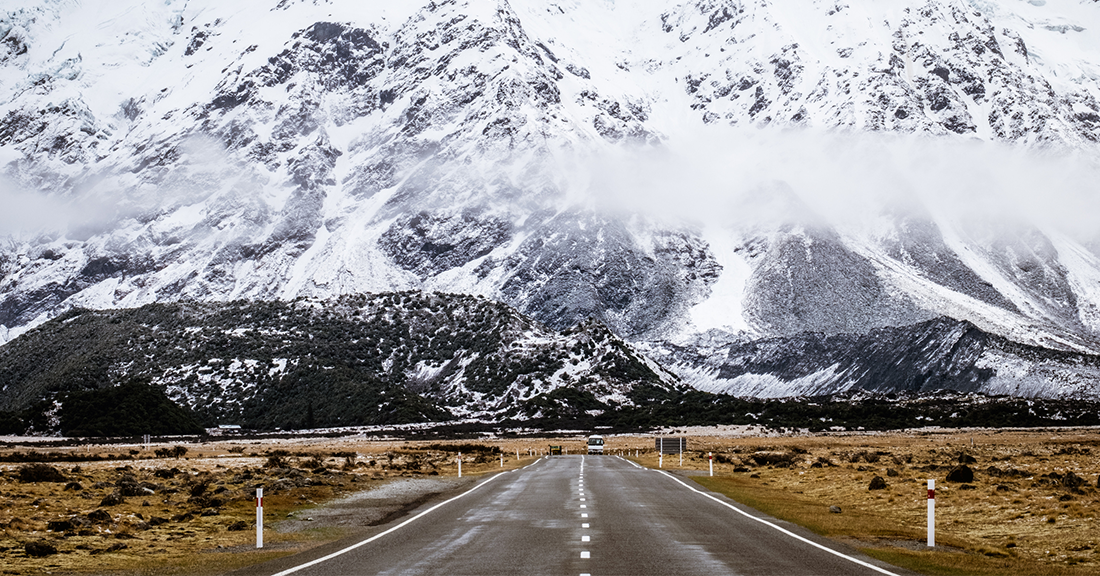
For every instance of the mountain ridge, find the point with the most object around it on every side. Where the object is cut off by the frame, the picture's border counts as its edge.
(664, 167)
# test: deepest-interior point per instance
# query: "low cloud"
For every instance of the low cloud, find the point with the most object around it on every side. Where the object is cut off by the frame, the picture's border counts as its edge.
(717, 177)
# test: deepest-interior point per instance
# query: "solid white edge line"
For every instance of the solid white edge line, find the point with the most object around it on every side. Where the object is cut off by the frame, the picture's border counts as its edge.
(393, 529)
(780, 528)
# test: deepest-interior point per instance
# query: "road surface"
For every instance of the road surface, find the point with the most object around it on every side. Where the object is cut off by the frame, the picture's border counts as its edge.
(577, 515)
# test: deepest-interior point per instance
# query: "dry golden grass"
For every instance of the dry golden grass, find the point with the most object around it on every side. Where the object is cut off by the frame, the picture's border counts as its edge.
(128, 544)
(1021, 524)
(1020, 520)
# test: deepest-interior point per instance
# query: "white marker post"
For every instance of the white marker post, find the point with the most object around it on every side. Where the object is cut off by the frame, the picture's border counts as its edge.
(502, 459)
(460, 464)
(710, 457)
(661, 460)
(931, 513)
(681, 455)
(259, 517)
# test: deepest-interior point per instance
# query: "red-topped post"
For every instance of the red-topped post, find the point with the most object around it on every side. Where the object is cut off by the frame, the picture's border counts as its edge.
(259, 517)
(931, 512)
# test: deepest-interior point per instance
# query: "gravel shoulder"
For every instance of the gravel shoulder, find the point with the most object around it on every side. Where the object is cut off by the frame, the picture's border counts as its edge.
(372, 507)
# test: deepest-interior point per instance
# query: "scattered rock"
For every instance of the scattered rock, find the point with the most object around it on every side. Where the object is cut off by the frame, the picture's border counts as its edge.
(209, 512)
(968, 487)
(113, 499)
(238, 526)
(185, 517)
(835, 510)
(1071, 480)
(891, 473)
(960, 473)
(877, 483)
(39, 472)
(967, 459)
(59, 525)
(169, 473)
(74, 486)
(112, 548)
(157, 521)
(39, 548)
(99, 516)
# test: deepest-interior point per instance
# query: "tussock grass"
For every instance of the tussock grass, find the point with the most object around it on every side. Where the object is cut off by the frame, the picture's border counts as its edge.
(1030, 509)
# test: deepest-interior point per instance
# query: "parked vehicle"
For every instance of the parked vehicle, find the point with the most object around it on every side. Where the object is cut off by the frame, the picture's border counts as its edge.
(555, 450)
(595, 444)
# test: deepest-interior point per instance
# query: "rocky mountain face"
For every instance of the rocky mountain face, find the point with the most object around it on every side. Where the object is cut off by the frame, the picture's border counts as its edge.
(361, 359)
(544, 155)
(923, 358)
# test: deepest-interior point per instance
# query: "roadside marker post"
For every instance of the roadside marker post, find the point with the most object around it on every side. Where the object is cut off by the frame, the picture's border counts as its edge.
(502, 459)
(460, 464)
(259, 517)
(710, 457)
(661, 460)
(931, 512)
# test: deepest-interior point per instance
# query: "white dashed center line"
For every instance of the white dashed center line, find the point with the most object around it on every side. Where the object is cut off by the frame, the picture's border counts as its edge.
(586, 554)
(586, 538)
(585, 525)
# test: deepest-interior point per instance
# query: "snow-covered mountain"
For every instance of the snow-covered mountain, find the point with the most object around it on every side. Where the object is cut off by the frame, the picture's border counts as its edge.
(760, 168)
(352, 360)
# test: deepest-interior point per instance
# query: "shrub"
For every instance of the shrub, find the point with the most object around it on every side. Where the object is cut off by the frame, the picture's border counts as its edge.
(40, 473)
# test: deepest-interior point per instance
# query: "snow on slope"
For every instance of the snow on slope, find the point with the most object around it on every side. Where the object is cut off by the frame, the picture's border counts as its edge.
(670, 167)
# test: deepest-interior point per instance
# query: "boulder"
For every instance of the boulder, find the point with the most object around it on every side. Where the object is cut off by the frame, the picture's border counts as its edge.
(1071, 480)
(59, 525)
(961, 473)
(99, 516)
(39, 548)
(834, 510)
(877, 483)
(113, 499)
(39, 472)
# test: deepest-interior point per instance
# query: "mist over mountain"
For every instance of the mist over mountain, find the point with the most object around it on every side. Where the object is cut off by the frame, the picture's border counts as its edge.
(695, 175)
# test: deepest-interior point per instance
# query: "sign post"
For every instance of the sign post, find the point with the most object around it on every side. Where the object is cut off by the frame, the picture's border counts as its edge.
(259, 517)
(931, 512)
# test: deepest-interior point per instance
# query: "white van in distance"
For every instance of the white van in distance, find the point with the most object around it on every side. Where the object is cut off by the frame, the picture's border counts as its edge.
(595, 444)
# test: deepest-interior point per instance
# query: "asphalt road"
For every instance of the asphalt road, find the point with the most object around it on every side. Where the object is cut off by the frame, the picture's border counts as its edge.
(596, 515)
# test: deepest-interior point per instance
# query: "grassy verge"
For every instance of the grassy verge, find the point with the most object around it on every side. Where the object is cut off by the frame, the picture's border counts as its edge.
(872, 532)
